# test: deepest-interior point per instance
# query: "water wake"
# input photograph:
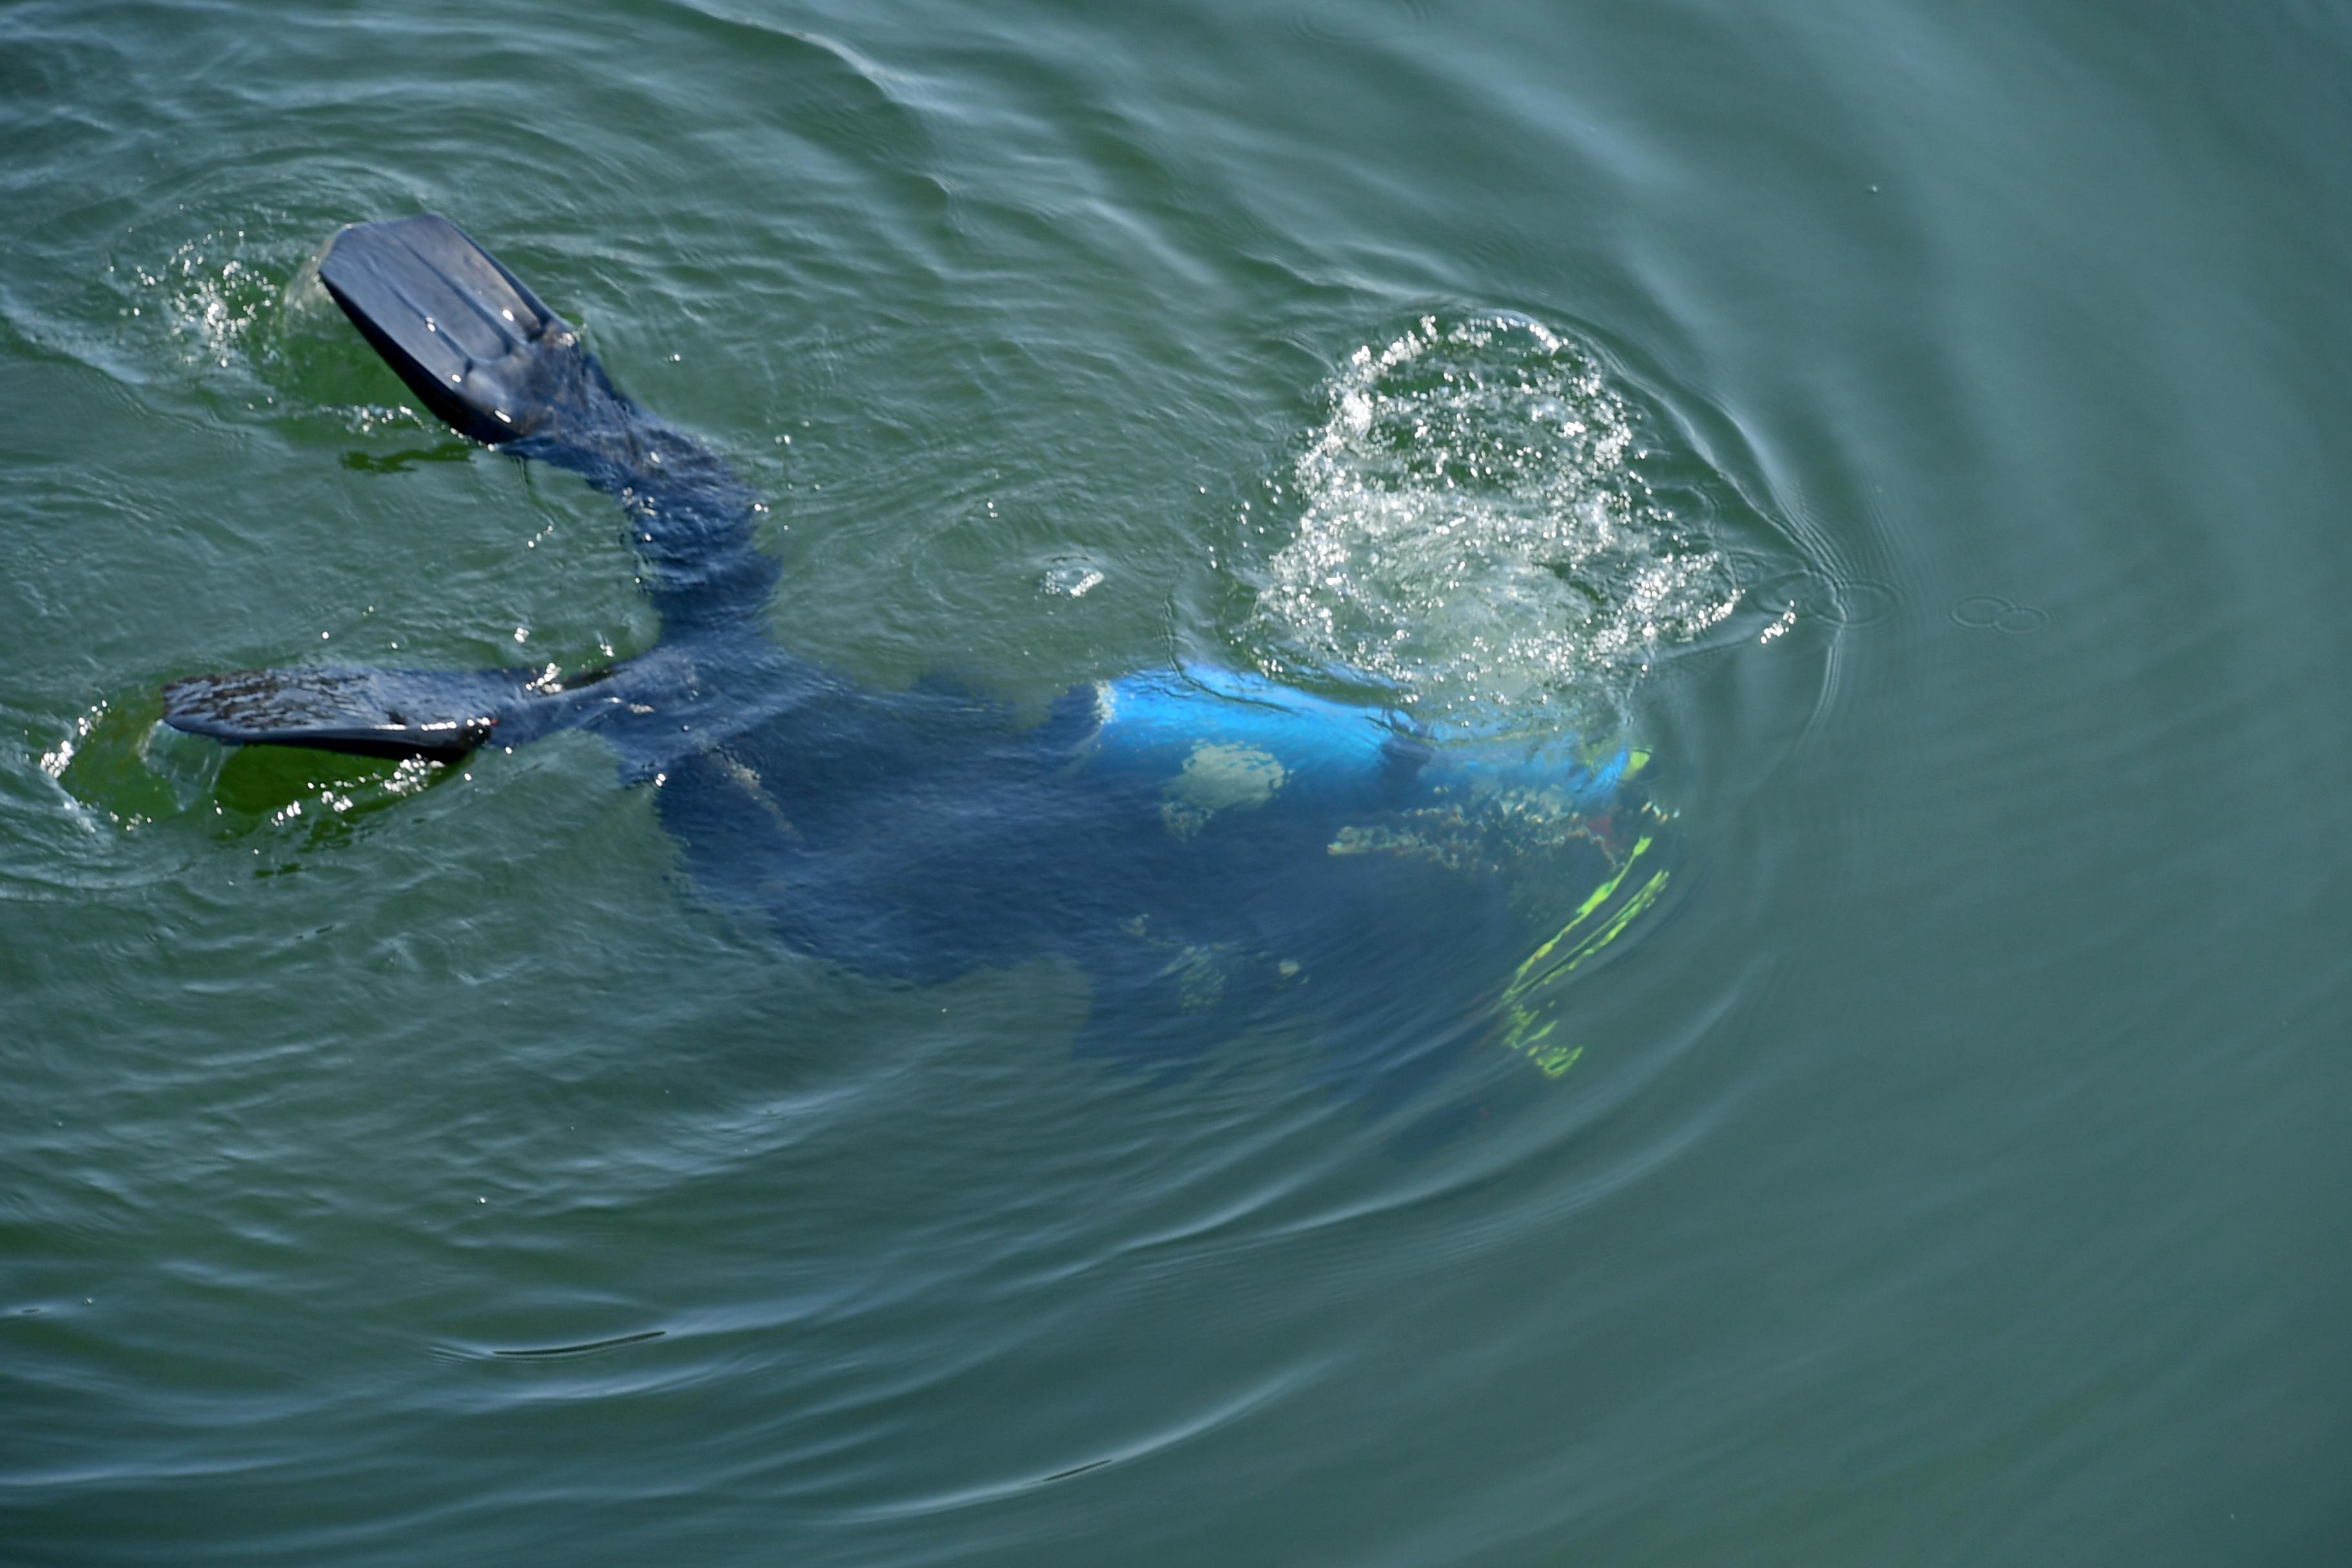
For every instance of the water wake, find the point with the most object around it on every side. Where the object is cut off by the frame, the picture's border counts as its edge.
(1478, 531)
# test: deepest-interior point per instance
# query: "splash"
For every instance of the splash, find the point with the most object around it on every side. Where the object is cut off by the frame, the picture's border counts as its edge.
(213, 295)
(120, 763)
(283, 345)
(1475, 531)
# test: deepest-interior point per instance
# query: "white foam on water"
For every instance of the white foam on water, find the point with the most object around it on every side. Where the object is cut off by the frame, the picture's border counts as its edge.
(212, 295)
(1474, 531)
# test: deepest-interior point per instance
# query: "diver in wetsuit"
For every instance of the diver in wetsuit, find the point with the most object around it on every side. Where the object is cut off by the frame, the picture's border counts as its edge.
(1205, 845)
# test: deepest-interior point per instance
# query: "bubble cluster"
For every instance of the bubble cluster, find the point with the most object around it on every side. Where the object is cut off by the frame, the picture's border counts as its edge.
(1475, 531)
(213, 296)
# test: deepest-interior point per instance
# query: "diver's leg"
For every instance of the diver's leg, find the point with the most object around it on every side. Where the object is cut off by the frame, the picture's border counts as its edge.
(491, 361)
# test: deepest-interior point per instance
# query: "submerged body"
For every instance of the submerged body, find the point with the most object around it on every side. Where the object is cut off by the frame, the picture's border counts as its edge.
(1198, 842)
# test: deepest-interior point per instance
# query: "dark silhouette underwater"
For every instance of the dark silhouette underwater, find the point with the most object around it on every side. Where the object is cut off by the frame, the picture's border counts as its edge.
(1216, 852)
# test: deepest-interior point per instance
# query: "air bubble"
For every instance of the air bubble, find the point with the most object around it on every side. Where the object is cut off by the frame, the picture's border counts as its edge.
(1475, 531)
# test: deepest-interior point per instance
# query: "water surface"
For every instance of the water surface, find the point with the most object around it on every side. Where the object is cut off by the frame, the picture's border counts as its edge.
(1915, 429)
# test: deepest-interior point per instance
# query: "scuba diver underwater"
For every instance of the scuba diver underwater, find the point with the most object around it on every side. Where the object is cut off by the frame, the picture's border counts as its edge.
(1214, 849)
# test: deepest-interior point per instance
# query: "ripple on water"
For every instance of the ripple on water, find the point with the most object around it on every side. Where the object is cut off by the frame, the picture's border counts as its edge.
(166, 796)
(1492, 525)
(1361, 21)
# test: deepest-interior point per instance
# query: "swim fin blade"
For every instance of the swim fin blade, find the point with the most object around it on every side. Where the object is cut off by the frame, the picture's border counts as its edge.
(469, 339)
(436, 715)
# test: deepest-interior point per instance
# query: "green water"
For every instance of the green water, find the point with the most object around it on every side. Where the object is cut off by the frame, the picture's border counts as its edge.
(416, 1167)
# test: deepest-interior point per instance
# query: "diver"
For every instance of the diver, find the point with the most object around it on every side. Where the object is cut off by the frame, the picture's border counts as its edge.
(1214, 850)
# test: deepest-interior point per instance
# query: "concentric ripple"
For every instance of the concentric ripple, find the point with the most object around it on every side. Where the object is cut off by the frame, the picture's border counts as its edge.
(1485, 526)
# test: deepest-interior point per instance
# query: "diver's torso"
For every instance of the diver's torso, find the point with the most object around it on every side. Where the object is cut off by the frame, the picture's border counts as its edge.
(921, 833)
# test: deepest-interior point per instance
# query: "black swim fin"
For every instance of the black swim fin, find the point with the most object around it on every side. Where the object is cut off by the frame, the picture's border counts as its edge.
(482, 351)
(436, 715)
(465, 333)
(491, 361)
